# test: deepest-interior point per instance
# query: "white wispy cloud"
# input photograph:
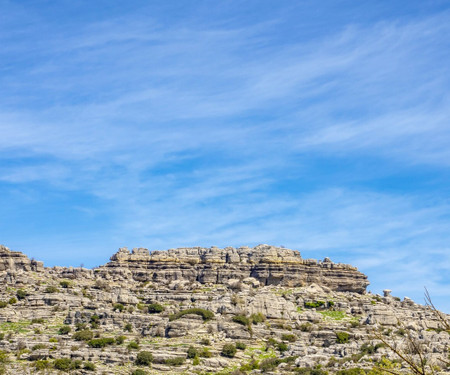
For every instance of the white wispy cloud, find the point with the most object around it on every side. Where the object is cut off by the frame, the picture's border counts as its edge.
(193, 134)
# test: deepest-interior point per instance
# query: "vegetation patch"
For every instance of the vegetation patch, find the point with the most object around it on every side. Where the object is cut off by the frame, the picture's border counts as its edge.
(315, 304)
(229, 350)
(177, 361)
(155, 308)
(18, 327)
(84, 335)
(205, 314)
(101, 342)
(334, 315)
(342, 337)
(144, 358)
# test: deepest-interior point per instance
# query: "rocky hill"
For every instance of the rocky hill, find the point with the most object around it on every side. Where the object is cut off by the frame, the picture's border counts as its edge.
(209, 311)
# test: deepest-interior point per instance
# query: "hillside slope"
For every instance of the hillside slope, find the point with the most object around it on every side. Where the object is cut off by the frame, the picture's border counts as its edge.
(200, 311)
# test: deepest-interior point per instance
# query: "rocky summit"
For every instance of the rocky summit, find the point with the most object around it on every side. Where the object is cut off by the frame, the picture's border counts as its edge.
(211, 311)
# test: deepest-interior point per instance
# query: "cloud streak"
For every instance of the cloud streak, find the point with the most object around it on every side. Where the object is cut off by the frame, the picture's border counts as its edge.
(230, 132)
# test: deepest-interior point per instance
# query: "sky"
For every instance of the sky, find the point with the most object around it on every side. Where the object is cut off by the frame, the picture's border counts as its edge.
(318, 126)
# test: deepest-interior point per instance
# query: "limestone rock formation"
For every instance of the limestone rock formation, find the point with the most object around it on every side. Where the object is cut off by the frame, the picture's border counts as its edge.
(15, 261)
(269, 265)
(192, 307)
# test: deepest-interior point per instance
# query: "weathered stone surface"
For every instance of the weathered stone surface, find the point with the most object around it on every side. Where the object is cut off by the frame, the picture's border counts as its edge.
(267, 298)
(269, 265)
(14, 261)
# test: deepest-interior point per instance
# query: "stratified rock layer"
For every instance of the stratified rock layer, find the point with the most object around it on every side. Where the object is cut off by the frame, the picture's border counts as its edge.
(15, 261)
(268, 264)
(185, 306)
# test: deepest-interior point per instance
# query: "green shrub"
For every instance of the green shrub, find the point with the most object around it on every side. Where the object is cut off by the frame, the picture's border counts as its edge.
(128, 327)
(2, 336)
(51, 289)
(64, 284)
(205, 353)
(205, 341)
(89, 366)
(281, 346)
(312, 305)
(133, 345)
(41, 364)
(84, 335)
(155, 308)
(144, 359)
(139, 372)
(228, 350)
(101, 342)
(257, 318)
(21, 294)
(63, 364)
(3, 304)
(351, 371)
(192, 352)
(12, 300)
(306, 327)
(177, 361)
(37, 320)
(64, 330)
(52, 339)
(196, 361)
(288, 337)
(241, 346)
(95, 321)
(241, 319)
(205, 314)
(120, 340)
(342, 337)
(118, 306)
(310, 371)
(39, 346)
(4, 357)
(80, 326)
(269, 364)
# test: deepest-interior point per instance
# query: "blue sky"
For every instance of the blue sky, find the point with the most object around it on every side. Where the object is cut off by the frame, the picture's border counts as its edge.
(319, 126)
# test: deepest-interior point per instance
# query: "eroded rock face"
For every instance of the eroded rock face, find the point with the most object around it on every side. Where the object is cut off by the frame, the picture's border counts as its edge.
(268, 299)
(15, 261)
(269, 265)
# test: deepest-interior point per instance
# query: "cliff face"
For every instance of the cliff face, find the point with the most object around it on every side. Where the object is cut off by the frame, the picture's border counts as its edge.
(269, 265)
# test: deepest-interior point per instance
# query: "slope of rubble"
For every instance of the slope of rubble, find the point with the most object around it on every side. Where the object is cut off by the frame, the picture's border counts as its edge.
(207, 311)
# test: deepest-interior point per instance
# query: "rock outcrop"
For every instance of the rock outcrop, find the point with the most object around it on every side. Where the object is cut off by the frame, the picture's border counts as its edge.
(269, 265)
(189, 307)
(15, 261)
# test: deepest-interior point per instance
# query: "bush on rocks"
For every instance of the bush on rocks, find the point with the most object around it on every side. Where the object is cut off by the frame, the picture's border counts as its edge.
(228, 350)
(192, 352)
(118, 306)
(177, 361)
(84, 335)
(64, 330)
(101, 342)
(205, 314)
(155, 308)
(144, 358)
(342, 337)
